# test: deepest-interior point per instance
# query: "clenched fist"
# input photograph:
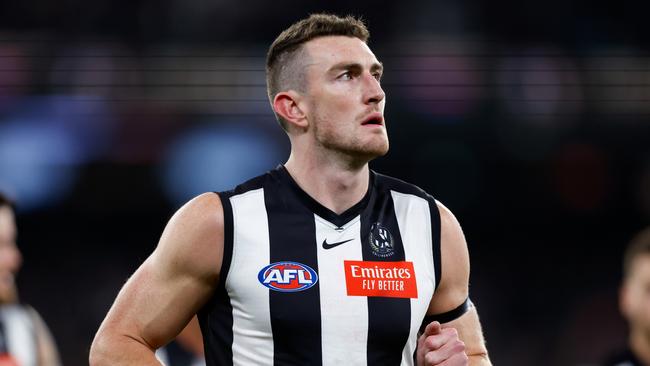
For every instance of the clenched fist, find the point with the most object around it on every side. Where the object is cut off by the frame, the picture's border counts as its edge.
(440, 346)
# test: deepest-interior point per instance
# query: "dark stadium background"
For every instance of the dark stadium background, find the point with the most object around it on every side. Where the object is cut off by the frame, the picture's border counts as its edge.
(530, 120)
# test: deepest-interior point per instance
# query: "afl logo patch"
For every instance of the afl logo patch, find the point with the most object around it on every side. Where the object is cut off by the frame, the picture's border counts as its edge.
(381, 241)
(287, 276)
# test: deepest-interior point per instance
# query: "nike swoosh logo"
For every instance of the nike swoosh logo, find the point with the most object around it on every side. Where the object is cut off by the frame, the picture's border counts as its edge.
(327, 245)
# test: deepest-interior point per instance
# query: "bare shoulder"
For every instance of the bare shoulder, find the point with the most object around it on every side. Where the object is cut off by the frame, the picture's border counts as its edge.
(193, 239)
(452, 237)
(448, 222)
(202, 209)
(454, 280)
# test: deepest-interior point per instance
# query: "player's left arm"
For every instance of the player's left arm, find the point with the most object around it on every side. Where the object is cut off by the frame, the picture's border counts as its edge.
(452, 293)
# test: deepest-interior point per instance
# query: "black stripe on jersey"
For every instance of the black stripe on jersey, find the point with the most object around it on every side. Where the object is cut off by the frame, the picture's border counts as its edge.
(435, 238)
(215, 318)
(401, 186)
(389, 319)
(4, 348)
(228, 235)
(295, 316)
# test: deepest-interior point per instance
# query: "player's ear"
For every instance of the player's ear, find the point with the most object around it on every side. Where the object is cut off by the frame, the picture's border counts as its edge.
(287, 104)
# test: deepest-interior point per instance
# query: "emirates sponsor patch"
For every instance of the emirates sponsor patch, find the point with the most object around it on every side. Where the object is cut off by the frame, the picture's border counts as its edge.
(380, 279)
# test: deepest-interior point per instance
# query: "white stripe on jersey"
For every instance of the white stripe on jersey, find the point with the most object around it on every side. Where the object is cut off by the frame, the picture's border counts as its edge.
(252, 344)
(417, 249)
(341, 343)
(19, 330)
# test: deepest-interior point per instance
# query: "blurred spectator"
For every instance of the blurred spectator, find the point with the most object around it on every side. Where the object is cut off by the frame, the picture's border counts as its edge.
(24, 338)
(634, 302)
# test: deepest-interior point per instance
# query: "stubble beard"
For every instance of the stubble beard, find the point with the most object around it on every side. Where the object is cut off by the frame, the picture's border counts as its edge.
(352, 147)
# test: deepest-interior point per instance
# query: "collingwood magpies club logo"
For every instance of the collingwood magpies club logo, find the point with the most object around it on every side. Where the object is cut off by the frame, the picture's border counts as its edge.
(381, 241)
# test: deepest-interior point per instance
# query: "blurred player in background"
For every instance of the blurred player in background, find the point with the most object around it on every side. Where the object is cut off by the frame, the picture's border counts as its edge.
(634, 302)
(24, 338)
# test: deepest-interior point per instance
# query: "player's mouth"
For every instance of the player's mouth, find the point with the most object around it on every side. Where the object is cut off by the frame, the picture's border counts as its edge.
(373, 119)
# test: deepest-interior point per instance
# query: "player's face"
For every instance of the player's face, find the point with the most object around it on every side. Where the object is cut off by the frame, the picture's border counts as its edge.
(10, 258)
(636, 294)
(346, 101)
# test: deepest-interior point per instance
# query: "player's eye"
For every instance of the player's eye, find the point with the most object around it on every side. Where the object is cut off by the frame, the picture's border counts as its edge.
(346, 76)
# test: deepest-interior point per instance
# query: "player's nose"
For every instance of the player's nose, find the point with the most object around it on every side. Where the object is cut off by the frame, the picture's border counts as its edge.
(373, 91)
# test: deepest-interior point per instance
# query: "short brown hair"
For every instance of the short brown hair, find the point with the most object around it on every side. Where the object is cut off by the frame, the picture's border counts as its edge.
(640, 245)
(6, 201)
(286, 47)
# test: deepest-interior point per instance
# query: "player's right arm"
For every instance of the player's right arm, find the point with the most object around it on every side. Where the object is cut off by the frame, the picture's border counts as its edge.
(167, 289)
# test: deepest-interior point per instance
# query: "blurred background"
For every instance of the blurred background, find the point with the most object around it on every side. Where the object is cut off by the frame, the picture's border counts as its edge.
(530, 120)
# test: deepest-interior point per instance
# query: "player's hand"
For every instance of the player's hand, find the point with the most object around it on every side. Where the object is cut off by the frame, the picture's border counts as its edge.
(440, 346)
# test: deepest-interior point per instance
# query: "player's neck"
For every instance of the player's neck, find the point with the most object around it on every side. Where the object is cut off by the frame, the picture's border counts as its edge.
(640, 345)
(337, 186)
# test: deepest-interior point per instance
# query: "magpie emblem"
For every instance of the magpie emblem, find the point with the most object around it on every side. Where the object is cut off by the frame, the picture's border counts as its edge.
(381, 241)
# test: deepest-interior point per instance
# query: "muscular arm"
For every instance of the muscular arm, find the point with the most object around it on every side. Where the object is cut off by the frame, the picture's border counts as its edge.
(167, 290)
(453, 288)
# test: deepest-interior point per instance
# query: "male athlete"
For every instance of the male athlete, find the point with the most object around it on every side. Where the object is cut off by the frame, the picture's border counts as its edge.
(320, 261)
(24, 337)
(634, 302)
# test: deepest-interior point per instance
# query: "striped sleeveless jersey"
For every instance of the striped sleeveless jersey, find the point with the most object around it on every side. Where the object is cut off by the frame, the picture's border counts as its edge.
(302, 285)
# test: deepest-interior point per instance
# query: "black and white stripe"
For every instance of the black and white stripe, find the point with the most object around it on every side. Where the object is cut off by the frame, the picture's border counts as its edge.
(270, 219)
(19, 334)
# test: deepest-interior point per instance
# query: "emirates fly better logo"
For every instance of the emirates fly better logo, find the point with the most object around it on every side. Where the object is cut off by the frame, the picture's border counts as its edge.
(381, 279)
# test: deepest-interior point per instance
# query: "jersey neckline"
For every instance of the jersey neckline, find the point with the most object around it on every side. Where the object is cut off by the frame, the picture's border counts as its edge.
(316, 207)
